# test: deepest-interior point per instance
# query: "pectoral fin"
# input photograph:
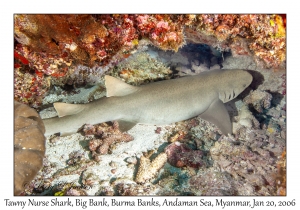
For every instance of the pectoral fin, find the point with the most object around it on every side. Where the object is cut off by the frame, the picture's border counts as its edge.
(218, 115)
(125, 125)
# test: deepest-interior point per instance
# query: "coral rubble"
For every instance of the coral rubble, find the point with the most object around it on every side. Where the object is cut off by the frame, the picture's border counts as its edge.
(74, 168)
(124, 187)
(260, 100)
(147, 169)
(181, 155)
(107, 136)
(212, 182)
(252, 162)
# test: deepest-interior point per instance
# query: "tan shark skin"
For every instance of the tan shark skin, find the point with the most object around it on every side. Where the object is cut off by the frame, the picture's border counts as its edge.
(157, 103)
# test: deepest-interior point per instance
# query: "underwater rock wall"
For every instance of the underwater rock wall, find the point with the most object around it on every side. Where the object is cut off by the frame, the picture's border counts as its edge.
(49, 49)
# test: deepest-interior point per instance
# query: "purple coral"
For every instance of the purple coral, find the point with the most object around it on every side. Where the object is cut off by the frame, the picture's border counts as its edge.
(180, 155)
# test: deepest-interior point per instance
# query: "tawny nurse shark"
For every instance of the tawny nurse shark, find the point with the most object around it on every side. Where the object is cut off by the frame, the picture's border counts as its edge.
(157, 103)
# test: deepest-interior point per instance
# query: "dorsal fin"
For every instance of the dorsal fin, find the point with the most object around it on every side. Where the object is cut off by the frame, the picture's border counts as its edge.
(64, 109)
(116, 87)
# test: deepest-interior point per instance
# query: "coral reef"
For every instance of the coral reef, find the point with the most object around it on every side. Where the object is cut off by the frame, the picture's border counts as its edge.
(89, 178)
(84, 39)
(29, 145)
(74, 168)
(180, 155)
(106, 135)
(265, 35)
(178, 136)
(147, 169)
(69, 189)
(212, 182)
(281, 176)
(55, 44)
(124, 187)
(73, 191)
(251, 160)
(164, 31)
(51, 49)
(30, 86)
(259, 100)
(75, 157)
(245, 118)
(141, 68)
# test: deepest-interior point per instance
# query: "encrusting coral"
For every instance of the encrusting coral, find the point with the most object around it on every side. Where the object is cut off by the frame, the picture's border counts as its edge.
(30, 86)
(164, 31)
(29, 145)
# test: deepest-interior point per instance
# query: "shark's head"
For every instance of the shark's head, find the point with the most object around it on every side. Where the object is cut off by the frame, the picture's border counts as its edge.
(232, 83)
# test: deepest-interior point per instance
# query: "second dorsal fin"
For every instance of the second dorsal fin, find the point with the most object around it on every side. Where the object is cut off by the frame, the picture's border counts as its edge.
(116, 87)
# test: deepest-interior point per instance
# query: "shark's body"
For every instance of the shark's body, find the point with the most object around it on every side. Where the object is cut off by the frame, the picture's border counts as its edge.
(158, 103)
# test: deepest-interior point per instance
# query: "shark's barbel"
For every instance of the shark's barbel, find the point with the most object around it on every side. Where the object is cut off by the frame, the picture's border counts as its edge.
(158, 103)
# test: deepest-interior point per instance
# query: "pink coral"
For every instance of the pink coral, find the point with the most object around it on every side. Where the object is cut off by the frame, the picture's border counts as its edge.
(162, 25)
(163, 30)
